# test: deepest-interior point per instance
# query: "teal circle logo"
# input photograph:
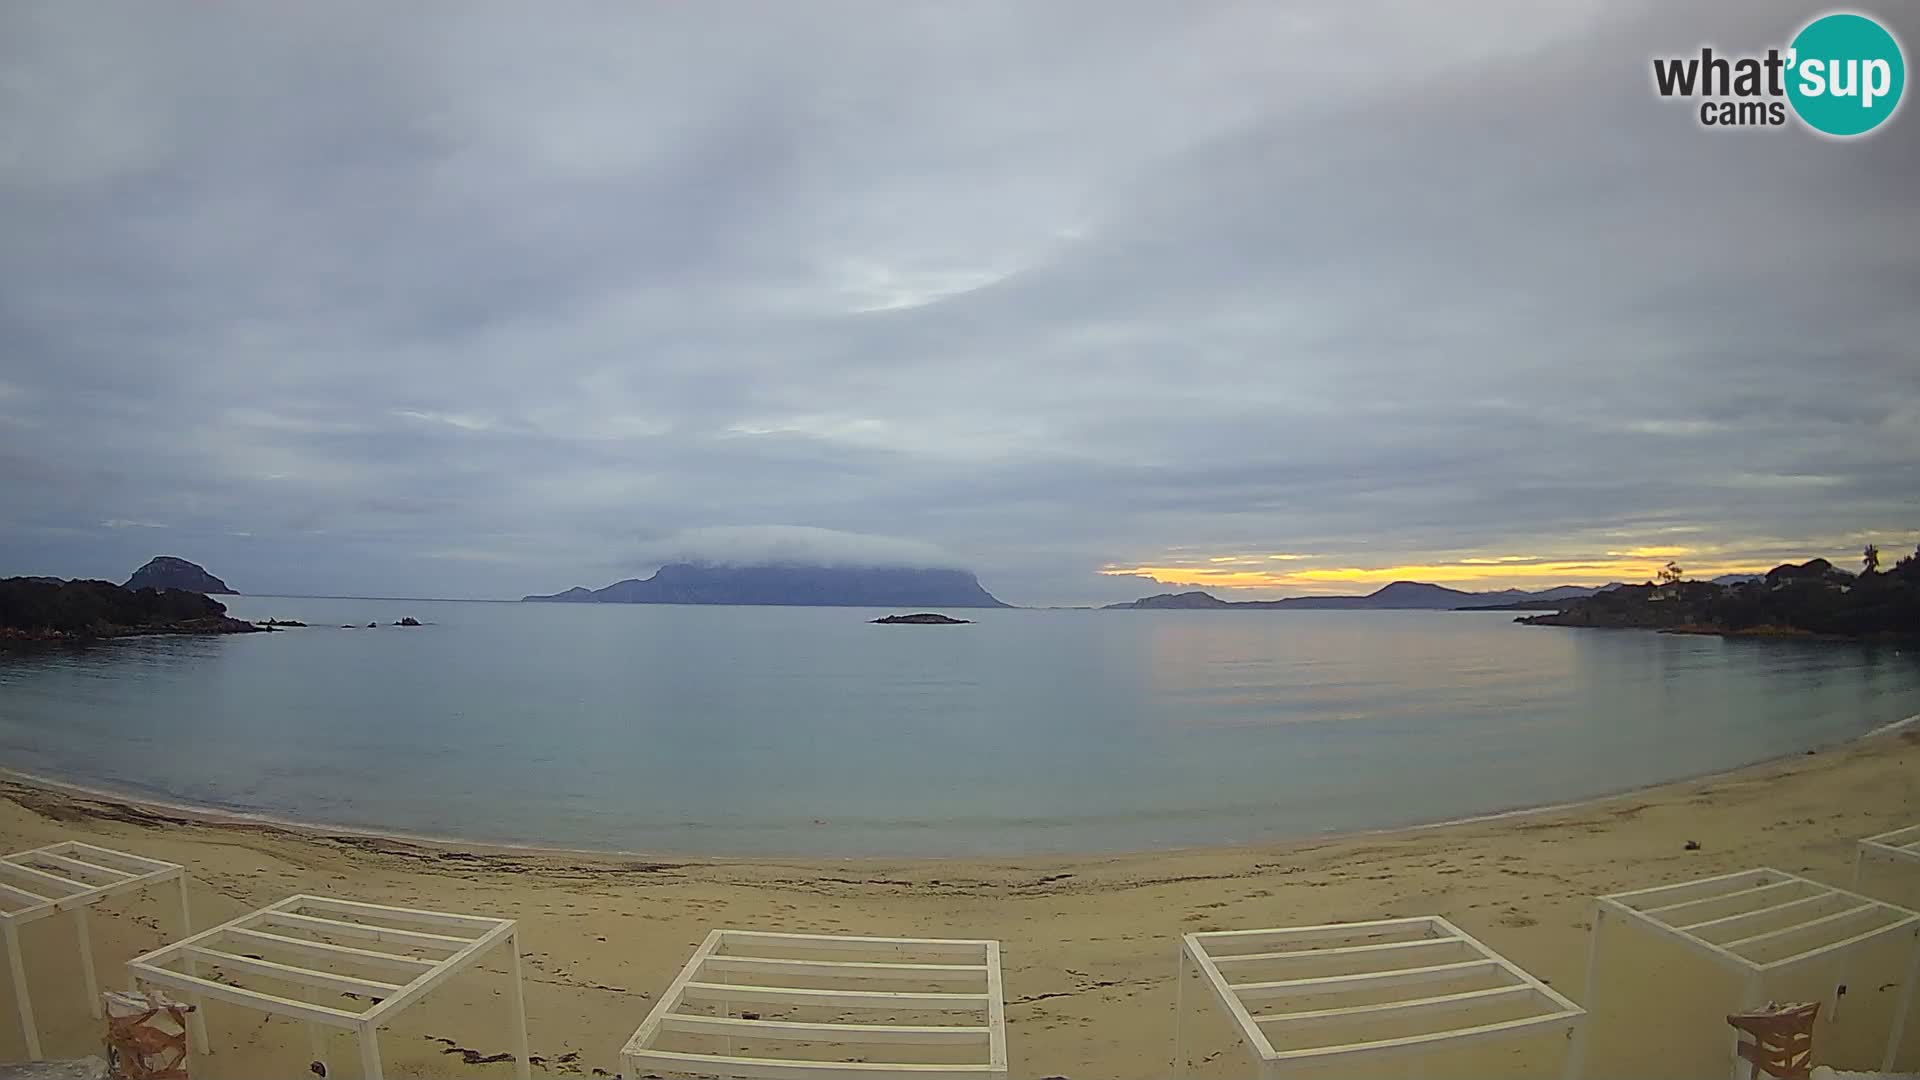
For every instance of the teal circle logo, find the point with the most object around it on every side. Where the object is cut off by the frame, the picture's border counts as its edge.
(1845, 74)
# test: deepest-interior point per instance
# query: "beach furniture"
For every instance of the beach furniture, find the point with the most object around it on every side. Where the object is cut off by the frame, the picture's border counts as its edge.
(1763, 924)
(927, 1007)
(325, 949)
(1900, 846)
(1413, 985)
(70, 877)
(146, 1036)
(1782, 1040)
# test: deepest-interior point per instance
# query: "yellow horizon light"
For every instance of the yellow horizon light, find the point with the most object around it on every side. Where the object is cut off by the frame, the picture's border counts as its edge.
(1489, 574)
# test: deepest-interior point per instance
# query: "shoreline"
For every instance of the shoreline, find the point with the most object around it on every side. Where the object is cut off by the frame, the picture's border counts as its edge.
(130, 804)
(1087, 941)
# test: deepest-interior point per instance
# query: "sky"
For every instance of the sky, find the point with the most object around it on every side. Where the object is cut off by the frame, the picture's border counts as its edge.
(1096, 300)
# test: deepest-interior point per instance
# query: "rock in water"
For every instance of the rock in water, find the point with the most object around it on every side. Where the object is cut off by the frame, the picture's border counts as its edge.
(924, 618)
(167, 572)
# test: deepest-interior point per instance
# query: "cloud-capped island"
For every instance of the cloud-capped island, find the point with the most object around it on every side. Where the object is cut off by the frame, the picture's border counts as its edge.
(791, 584)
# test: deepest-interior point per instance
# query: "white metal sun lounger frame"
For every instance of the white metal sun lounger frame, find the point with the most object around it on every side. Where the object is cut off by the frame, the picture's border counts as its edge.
(1900, 845)
(1728, 903)
(463, 938)
(1361, 969)
(71, 876)
(928, 987)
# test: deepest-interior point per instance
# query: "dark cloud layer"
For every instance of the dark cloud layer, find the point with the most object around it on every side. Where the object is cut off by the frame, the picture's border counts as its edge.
(473, 300)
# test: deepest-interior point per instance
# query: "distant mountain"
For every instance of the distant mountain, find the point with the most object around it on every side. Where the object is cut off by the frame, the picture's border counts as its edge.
(1544, 600)
(1737, 579)
(1558, 592)
(167, 572)
(1398, 596)
(1185, 601)
(791, 584)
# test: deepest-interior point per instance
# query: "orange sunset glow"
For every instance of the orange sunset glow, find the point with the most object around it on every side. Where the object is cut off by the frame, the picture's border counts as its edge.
(1257, 571)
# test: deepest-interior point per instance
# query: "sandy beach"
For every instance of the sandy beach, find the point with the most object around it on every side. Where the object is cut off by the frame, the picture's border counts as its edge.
(1088, 942)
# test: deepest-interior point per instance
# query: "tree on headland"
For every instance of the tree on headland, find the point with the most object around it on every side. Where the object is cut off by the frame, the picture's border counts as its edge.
(1814, 597)
(1870, 555)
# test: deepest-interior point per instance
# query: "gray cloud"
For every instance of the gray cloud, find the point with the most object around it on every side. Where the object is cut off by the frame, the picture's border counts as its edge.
(757, 545)
(478, 300)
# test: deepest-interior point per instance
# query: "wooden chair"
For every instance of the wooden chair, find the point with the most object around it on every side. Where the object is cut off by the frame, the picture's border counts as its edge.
(1782, 1043)
(146, 1037)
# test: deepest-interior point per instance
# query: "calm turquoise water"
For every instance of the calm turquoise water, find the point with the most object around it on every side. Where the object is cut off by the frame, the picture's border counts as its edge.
(807, 731)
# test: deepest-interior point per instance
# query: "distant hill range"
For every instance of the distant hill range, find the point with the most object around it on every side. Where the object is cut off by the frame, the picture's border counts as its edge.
(792, 585)
(1398, 596)
(168, 572)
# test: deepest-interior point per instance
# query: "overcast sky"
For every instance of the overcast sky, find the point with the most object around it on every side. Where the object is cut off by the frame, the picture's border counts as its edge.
(474, 300)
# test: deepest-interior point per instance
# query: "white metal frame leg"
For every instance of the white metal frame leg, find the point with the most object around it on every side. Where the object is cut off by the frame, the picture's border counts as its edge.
(727, 1045)
(1905, 1007)
(1840, 980)
(370, 1053)
(1571, 1058)
(86, 961)
(522, 1060)
(197, 1019)
(1839, 983)
(186, 909)
(21, 1001)
(1750, 999)
(1576, 1061)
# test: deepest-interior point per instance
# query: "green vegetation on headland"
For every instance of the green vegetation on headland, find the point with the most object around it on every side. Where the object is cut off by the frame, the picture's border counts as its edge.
(36, 610)
(1812, 598)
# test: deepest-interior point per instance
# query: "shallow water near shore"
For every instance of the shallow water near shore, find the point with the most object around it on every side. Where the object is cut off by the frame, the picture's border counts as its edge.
(808, 731)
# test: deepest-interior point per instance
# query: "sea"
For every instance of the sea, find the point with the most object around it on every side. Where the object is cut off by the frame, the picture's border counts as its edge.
(684, 730)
